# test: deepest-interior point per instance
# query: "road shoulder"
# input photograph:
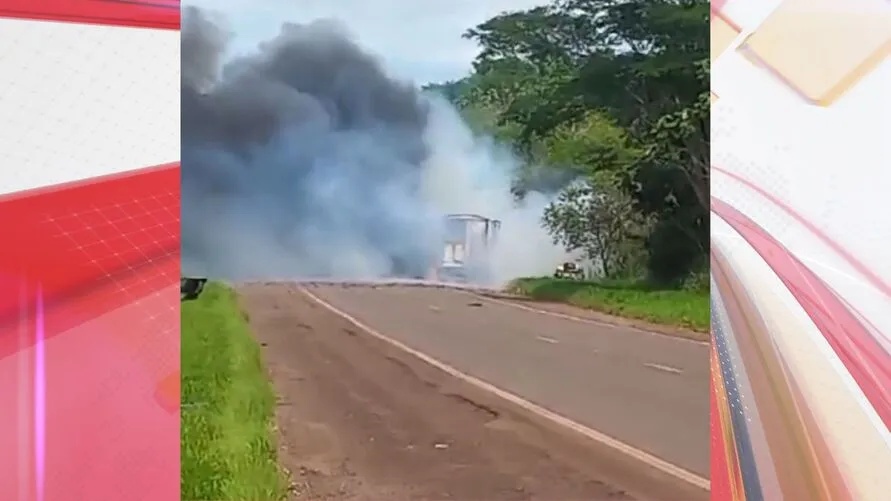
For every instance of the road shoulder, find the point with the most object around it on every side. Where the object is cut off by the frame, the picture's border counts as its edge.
(586, 314)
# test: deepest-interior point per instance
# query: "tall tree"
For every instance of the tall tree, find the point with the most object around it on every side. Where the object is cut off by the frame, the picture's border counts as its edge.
(553, 76)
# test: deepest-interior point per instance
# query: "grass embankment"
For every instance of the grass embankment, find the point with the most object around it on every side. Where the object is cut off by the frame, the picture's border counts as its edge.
(227, 442)
(679, 308)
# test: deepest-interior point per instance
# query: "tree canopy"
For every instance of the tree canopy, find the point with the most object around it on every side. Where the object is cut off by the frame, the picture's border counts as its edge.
(615, 95)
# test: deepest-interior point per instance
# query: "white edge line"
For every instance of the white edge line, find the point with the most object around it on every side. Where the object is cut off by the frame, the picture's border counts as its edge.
(584, 320)
(547, 339)
(644, 457)
(663, 368)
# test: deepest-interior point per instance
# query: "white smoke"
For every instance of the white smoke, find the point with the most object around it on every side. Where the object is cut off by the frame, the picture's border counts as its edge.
(468, 173)
(306, 160)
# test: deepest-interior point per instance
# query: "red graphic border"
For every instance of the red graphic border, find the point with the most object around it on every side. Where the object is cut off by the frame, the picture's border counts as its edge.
(89, 316)
(158, 14)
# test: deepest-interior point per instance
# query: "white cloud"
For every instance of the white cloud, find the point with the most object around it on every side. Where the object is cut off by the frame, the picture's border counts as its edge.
(417, 39)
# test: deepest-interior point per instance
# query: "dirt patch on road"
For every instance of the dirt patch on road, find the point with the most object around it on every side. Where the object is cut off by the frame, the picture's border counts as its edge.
(361, 420)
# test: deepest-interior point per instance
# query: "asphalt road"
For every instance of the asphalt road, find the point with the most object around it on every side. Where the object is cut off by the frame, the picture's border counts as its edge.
(649, 391)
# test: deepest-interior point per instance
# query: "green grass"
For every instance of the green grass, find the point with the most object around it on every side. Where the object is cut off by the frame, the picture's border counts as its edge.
(680, 308)
(227, 442)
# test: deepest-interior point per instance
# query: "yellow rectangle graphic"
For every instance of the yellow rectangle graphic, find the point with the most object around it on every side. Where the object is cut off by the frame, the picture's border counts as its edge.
(822, 48)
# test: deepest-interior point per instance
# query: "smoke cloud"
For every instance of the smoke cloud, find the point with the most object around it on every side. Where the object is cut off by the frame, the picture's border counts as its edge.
(306, 160)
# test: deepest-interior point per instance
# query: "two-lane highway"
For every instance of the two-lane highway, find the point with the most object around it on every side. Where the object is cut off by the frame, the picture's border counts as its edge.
(426, 393)
(647, 390)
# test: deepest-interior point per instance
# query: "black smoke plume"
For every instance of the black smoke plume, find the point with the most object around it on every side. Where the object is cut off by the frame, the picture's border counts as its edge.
(303, 158)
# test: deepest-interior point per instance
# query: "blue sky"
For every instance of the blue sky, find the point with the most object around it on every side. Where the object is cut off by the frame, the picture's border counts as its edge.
(418, 40)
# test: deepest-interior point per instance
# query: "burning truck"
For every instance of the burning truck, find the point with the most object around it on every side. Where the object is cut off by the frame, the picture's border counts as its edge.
(467, 248)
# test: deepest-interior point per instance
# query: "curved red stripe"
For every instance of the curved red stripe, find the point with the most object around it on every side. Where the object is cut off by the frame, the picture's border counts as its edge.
(720, 476)
(857, 264)
(858, 350)
(159, 14)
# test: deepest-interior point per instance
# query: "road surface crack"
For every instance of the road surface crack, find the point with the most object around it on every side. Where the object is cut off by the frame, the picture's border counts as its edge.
(476, 405)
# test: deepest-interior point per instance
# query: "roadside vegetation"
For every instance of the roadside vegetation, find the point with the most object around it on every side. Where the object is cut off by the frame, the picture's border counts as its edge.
(607, 102)
(687, 308)
(226, 438)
